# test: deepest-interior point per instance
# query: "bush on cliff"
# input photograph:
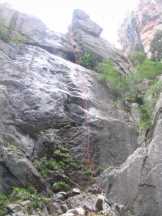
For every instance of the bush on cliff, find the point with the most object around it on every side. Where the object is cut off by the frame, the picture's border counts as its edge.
(150, 98)
(149, 69)
(10, 36)
(111, 75)
(137, 58)
(128, 87)
(89, 60)
(67, 168)
(36, 200)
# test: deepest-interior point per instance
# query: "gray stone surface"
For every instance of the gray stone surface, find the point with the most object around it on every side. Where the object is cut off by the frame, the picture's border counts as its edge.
(84, 35)
(136, 185)
(47, 101)
(34, 31)
(82, 21)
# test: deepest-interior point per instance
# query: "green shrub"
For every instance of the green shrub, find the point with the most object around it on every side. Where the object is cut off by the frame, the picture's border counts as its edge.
(150, 97)
(148, 70)
(44, 166)
(128, 87)
(145, 117)
(137, 58)
(87, 172)
(109, 73)
(60, 186)
(4, 33)
(89, 60)
(61, 159)
(10, 36)
(38, 201)
(4, 201)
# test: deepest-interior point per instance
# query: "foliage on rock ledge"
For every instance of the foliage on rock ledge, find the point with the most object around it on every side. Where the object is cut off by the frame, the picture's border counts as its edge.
(129, 87)
(36, 200)
(89, 60)
(9, 36)
(61, 170)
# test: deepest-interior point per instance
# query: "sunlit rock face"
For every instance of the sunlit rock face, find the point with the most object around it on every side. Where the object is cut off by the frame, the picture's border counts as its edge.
(139, 29)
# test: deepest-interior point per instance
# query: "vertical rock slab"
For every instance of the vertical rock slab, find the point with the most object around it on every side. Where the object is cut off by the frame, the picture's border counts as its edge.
(136, 185)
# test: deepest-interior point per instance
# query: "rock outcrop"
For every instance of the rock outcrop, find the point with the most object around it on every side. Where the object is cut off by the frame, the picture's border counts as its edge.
(136, 186)
(31, 30)
(84, 35)
(47, 101)
(139, 29)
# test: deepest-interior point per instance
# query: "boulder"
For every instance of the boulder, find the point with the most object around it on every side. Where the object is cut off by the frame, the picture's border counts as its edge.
(75, 212)
(99, 203)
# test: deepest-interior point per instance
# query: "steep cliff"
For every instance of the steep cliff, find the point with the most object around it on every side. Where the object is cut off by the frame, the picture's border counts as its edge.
(136, 186)
(48, 102)
(138, 30)
(61, 125)
(84, 35)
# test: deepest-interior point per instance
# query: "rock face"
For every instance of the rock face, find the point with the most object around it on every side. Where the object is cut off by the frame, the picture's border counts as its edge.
(130, 35)
(57, 103)
(46, 101)
(33, 31)
(49, 101)
(84, 35)
(139, 29)
(136, 186)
